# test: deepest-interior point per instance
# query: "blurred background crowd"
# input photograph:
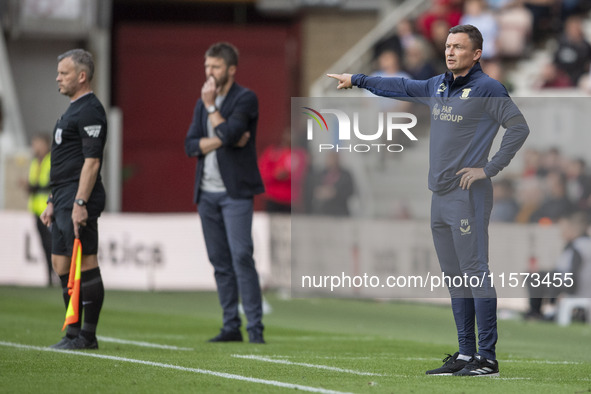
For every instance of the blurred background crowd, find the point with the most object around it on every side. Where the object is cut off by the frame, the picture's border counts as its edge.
(149, 70)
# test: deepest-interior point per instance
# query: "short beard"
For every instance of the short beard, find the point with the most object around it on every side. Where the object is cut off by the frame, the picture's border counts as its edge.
(222, 82)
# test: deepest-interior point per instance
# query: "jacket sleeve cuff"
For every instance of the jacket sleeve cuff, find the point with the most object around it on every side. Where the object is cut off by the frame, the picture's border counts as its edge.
(490, 170)
(357, 79)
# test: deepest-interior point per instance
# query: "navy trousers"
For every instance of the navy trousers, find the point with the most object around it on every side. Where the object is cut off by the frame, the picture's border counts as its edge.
(227, 228)
(459, 224)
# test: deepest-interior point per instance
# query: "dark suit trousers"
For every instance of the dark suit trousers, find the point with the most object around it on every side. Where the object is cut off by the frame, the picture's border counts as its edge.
(227, 228)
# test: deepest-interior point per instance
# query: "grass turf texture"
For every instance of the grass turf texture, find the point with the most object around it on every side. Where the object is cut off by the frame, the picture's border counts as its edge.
(395, 339)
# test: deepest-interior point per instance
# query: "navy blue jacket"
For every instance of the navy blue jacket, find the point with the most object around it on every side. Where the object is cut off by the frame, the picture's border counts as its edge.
(465, 117)
(238, 166)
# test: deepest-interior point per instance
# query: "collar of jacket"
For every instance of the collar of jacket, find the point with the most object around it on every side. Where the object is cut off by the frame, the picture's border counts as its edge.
(459, 81)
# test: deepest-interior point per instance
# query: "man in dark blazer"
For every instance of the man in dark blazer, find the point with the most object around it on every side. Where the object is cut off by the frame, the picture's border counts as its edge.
(222, 136)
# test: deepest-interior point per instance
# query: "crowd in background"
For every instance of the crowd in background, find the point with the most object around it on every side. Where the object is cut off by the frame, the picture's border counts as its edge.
(511, 30)
(551, 186)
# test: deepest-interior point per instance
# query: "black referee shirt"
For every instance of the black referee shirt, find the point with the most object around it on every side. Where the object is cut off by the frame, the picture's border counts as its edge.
(80, 133)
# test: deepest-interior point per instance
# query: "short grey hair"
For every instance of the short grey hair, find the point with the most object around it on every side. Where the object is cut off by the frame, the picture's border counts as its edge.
(82, 59)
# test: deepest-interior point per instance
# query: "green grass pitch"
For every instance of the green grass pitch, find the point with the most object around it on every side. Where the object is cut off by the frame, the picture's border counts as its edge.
(327, 345)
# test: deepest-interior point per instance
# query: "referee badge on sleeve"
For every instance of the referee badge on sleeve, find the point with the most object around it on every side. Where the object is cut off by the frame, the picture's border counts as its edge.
(93, 131)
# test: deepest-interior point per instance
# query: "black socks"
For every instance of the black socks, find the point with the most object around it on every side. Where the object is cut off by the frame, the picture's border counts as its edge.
(92, 294)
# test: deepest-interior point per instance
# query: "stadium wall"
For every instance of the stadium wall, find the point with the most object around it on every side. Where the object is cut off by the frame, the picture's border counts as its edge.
(136, 251)
(167, 252)
(157, 79)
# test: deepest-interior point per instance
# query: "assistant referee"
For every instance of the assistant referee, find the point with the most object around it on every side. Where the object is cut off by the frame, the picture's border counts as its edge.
(77, 195)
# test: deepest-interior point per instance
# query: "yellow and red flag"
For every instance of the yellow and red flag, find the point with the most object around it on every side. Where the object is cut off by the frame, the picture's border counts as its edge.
(73, 312)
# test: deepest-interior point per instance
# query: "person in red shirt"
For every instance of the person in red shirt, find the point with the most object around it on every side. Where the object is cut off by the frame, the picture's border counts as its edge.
(282, 167)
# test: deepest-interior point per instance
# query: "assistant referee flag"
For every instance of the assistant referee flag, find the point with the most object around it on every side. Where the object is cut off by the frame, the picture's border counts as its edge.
(73, 311)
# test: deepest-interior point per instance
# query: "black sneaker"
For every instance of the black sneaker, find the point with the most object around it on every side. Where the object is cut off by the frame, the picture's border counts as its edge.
(256, 337)
(480, 366)
(227, 336)
(63, 342)
(81, 343)
(450, 365)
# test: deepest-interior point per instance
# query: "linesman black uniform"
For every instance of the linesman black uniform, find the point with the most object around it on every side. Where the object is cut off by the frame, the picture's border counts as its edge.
(80, 133)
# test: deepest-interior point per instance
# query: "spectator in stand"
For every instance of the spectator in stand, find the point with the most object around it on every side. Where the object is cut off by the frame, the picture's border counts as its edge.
(442, 10)
(494, 69)
(531, 163)
(546, 16)
(406, 34)
(505, 206)
(578, 184)
(282, 169)
(515, 30)
(573, 55)
(331, 189)
(398, 42)
(551, 160)
(477, 14)
(417, 60)
(529, 197)
(552, 77)
(440, 31)
(556, 203)
(388, 63)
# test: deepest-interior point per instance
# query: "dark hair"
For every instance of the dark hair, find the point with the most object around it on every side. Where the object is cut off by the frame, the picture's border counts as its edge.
(224, 50)
(473, 34)
(82, 59)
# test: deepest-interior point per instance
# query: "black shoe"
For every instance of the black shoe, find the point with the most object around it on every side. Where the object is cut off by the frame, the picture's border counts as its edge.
(256, 337)
(63, 342)
(450, 365)
(81, 343)
(480, 366)
(227, 336)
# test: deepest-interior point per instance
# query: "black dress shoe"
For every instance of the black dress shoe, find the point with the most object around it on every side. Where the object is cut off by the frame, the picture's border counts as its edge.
(227, 336)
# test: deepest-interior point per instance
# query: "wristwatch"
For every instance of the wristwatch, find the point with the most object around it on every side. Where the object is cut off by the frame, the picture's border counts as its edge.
(80, 202)
(211, 109)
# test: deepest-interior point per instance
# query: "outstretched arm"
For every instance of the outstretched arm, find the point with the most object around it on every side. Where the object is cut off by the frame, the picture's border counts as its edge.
(344, 80)
(395, 87)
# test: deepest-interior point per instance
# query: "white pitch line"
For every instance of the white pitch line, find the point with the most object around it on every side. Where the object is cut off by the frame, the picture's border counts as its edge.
(317, 366)
(177, 367)
(143, 344)
(543, 362)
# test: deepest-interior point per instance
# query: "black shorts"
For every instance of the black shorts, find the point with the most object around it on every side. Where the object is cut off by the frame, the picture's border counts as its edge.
(62, 228)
